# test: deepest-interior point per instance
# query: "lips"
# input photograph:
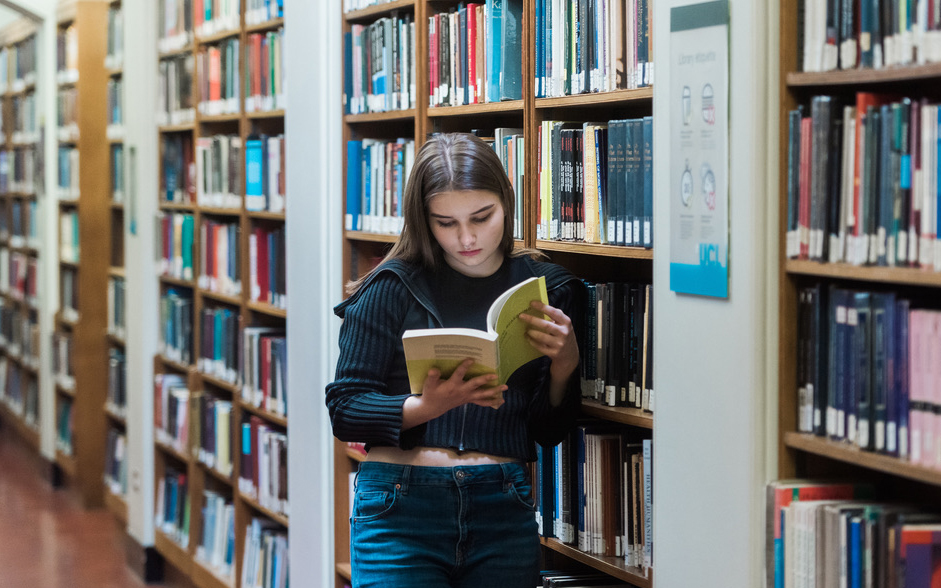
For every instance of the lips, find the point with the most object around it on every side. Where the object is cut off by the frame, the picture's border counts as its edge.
(470, 253)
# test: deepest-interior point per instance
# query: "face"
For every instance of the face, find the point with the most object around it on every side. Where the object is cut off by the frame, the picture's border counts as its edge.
(469, 226)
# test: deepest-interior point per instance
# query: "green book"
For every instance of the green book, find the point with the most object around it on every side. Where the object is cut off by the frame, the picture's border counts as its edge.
(501, 349)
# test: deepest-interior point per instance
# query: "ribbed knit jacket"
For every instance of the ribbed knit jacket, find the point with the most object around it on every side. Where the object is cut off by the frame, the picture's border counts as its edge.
(366, 398)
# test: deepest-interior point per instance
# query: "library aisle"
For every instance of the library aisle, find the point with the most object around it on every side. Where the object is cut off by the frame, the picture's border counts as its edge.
(47, 539)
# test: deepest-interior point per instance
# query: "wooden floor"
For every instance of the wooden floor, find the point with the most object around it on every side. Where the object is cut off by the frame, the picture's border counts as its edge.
(46, 539)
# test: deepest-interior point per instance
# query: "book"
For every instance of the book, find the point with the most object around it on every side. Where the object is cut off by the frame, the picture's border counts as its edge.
(501, 349)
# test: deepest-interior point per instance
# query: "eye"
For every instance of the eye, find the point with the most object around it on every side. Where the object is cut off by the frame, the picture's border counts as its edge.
(482, 219)
(445, 224)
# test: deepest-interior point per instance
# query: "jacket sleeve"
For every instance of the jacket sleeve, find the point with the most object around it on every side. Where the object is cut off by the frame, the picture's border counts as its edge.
(361, 406)
(548, 425)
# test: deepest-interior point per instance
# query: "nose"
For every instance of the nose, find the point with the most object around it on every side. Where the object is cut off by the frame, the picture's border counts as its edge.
(467, 237)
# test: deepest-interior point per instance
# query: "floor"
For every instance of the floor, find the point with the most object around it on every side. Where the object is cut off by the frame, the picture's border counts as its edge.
(47, 540)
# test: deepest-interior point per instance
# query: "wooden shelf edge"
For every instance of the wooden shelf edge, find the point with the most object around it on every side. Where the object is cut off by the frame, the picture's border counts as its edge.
(389, 115)
(268, 416)
(205, 577)
(597, 98)
(265, 26)
(278, 518)
(849, 454)
(345, 570)
(173, 451)
(619, 414)
(265, 308)
(117, 505)
(378, 10)
(173, 552)
(472, 109)
(595, 249)
(889, 275)
(373, 237)
(613, 566)
(864, 76)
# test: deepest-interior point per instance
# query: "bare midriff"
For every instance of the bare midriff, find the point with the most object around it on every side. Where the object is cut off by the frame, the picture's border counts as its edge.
(434, 457)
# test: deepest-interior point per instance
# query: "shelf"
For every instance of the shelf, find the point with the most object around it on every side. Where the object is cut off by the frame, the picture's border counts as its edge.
(67, 392)
(66, 463)
(219, 211)
(598, 98)
(180, 367)
(511, 106)
(178, 128)
(117, 505)
(261, 27)
(171, 281)
(854, 77)
(618, 414)
(345, 570)
(171, 550)
(116, 271)
(265, 215)
(223, 298)
(115, 340)
(219, 118)
(217, 474)
(371, 117)
(175, 53)
(271, 417)
(373, 237)
(115, 417)
(852, 455)
(204, 577)
(265, 114)
(594, 249)
(378, 10)
(845, 271)
(219, 383)
(216, 37)
(177, 206)
(173, 451)
(267, 309)
(278, 518)
(613, 566)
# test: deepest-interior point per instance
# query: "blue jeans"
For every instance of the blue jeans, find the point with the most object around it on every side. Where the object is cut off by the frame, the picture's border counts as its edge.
(466, 526)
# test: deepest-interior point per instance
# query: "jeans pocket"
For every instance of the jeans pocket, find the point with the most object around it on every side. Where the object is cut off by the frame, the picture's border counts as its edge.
(522, 490)
(373, 503)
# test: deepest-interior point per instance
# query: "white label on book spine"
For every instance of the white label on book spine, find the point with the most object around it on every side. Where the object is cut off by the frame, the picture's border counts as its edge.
(863, 432)
(851, 428)
(793, 244)
(840, 424)
(890, 437)
(903, 442)
(831, 421)
(880, 436)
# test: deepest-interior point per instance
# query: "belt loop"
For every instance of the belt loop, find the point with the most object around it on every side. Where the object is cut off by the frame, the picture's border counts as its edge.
(406, 472)
(507, 476)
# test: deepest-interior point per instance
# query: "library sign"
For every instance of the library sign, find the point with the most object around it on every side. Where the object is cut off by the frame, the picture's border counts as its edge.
(699, 152)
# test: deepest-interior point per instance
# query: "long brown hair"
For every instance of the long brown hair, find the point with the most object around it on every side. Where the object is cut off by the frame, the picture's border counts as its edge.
(449, 162)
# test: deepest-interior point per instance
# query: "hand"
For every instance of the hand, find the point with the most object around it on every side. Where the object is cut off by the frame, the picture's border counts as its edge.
(555, 338)
(439, 396)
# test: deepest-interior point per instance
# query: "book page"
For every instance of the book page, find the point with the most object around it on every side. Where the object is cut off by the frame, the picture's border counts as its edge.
(503, 320)
(445, 349)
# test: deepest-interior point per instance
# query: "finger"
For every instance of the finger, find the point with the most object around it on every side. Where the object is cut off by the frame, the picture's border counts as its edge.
(432, 380)
(484, 381)
(553, 312)
(461, 371)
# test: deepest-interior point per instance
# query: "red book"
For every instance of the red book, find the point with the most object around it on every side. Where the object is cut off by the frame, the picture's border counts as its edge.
(215, 74)
(256, 424)
(803, 209)
(472, 51)
(261, 263)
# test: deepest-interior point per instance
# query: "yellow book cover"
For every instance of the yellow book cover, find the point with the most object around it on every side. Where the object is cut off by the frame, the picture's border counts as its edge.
(501, 349)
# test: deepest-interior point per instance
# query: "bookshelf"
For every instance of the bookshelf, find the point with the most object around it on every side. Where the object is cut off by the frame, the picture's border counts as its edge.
(221, 219)
(20, 250)
(831, 450)
(413, 118)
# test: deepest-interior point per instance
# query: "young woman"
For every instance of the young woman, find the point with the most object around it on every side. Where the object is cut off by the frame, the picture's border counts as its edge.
(444, 496)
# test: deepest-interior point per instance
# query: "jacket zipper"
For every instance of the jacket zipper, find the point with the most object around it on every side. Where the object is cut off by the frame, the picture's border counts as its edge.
(460, 442)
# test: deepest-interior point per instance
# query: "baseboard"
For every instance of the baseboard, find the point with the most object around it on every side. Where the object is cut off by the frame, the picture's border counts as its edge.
(143, 561)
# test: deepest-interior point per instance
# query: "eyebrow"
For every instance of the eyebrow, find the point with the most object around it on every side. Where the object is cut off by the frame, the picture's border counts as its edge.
(484, 209)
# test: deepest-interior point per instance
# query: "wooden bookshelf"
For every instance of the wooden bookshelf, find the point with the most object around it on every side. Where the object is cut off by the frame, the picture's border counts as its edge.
(803, 454)
(600, 263)
(21, 213)
(188, 131)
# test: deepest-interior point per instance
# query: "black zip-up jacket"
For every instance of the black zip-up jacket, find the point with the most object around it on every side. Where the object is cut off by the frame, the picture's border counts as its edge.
(366, 398)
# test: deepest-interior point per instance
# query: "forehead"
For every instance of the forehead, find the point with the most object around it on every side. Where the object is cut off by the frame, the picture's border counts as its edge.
(461, 202)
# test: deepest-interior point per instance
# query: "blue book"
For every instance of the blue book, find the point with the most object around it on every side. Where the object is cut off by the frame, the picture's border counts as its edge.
(348, 73)
(855, 547)
(354, 184)
(861, 413)
(540, 49)
(647, 158)
(885, 402)
(254, 176)
(511, 47)
(885, 191)
(494, 12)
(900, 424)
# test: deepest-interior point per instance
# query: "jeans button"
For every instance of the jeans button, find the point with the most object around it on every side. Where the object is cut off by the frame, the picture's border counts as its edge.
(460, 475)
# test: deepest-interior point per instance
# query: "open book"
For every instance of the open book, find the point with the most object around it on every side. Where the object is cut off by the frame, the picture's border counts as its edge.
(501, 349)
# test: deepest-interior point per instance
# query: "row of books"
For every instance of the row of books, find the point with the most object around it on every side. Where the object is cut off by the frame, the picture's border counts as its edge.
(21, 226)
(172, 411)
(210, 422)
(863, 181)
(19, 392)
(25, 119)
(116, 401)
(116, 306)
(174, 25)
(868, 372)
(176, 230)
(172, 515)
(64, 424)
(260, 11)
(263, 369)
(18, 274)
(114, 55)
(867, 34)
(265, 563)
(376, 174)
(617, 365)
(23, 59)
(216, 548)
(115, 473)
(380, 69)
(62, 369)
(587, 46)
(115, 106)
(69, 244)
(175, 90)
(220, 265)
(218, 78)
(18, 170)
(212, 17)
(267, 250)
(67, 168)
(510, 146)
(263, 469)
(68, 293)
(19, 333)
(836, 533)
(264, 74)
(351, 5)
(475, 53)
(67, 113)
(219, 343)
(117, 173)
(595, 492)
(67, 51)
(176, 325)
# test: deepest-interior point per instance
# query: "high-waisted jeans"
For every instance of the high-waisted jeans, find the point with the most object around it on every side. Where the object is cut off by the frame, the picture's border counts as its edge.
(465, 526)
